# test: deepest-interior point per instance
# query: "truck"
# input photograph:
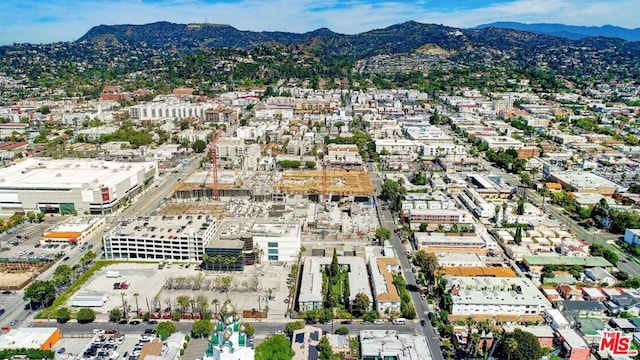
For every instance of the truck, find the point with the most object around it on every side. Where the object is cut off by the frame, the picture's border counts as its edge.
(113, 274)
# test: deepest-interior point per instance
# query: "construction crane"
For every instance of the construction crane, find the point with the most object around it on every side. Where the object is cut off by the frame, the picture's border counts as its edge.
(324, 183)
(215, 136)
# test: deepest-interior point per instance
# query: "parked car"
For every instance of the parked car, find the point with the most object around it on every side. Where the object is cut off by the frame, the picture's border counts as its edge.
(378, 322)
(61, 350)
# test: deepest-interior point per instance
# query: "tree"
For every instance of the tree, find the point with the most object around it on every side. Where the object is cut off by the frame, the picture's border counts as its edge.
(276, 347)
(525, 178)
(201, 329)
(249, 330)
(310, 164)
(383, 234)
(85, 315)
(325, 316)
(393, 192)
(325, 352)
(63, 315)
(31, 216)
(334, 269)
(62, 274)
(183, 302)
(115, 315)
(600, 250)
(224, 283)
(427, 262)
(198, 146)
(293, 326)
(360, 304)
(520, 208)
(518, 345)
(39, 292)
(343, 330)
(518, 236)
(165, 329)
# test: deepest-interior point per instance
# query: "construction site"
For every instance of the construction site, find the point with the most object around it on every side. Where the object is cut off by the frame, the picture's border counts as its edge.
(329, 203)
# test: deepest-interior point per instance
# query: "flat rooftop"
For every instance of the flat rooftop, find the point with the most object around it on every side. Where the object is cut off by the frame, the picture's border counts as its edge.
(589, 261)
(231, 229)
(337, 182)
(166, 226)
(491, 291)
(583, 179)
(45, 174)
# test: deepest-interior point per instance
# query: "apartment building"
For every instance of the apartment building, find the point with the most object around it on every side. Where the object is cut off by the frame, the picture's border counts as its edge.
(428, 216)
(495, 296)
(311, 294)
(179, 238)
(382, 264)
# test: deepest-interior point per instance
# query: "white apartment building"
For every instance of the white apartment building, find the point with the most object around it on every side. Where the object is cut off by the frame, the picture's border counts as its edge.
(382, 265)
(176, 237)
(495, 296)
(311, 294)
(398, 147)
(191, 135)
(168, 110)
(234, 153)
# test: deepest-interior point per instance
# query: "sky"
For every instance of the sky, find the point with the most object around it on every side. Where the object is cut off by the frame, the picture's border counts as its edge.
(46, 21)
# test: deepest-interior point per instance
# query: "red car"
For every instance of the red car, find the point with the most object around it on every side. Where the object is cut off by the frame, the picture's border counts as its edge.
(112, 331)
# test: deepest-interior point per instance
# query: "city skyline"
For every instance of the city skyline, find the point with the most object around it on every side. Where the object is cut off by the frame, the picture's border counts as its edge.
(38, 21)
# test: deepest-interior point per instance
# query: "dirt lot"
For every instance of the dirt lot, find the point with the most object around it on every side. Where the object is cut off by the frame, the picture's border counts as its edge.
(248, 291)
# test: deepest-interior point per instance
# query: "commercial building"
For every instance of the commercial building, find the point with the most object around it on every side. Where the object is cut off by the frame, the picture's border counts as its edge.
(311, 294)
(76, 230)
(241, 242)
(428, 216)
(442, 242)
(176, 237)
(30, 338)
(501, 142)
(71, 186)
(583, 182)
(389, 344)
(495, 296)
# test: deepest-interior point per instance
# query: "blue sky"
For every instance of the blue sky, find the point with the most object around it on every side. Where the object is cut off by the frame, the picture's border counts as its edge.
(44, 21)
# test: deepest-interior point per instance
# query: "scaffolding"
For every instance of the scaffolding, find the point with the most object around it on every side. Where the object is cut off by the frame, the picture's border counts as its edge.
(326, 181)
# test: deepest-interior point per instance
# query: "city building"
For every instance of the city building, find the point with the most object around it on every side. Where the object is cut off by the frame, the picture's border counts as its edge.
(439, 217)
(175, 237)
(584, 182)
(42, 338)
(382, 265)
(496, 143)
(76, 230)
(389, 344)
(311, 294)
(71, 186)
(574, 346)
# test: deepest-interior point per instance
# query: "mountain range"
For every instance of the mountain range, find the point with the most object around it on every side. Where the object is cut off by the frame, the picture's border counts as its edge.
(570, 31)
(399, 38)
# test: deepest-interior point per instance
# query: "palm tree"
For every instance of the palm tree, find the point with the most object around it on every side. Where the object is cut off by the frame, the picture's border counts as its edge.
(257, 251)
(215, 303)
(135, 295)
(124, 305)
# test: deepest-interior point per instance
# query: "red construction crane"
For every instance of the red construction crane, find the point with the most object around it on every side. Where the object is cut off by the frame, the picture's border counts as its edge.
(214, 162)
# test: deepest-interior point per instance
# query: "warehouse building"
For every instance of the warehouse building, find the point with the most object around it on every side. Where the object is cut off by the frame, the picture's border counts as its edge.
(180, 238)
(71, 186)
(584, 182)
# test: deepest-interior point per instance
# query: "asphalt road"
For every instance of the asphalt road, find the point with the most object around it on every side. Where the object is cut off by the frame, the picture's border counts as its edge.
(386, 220)
(261, 328)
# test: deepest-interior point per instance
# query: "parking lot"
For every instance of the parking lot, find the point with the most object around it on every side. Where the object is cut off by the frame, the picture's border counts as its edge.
(106, 344)
(148, 282)
(22, 242)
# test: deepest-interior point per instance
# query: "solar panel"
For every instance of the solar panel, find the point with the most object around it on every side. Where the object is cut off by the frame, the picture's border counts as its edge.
(299, 338)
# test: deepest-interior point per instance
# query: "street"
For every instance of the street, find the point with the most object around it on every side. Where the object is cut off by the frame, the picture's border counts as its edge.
(386, 220)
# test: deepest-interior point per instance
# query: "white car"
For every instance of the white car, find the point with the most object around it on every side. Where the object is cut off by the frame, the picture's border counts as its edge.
(98, 331)
(378, 322)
